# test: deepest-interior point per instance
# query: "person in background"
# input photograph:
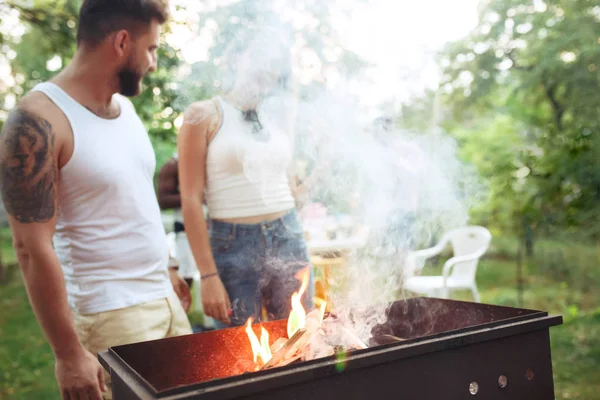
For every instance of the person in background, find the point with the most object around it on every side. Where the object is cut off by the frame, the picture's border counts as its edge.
(251, 255)
(77, 167)
(399, 202)
(169, 198)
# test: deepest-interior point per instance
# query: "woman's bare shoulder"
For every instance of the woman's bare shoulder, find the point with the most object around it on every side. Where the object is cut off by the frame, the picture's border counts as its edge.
(200, 112)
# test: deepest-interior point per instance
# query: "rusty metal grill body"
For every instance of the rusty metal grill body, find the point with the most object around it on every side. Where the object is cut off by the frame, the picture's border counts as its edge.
(454, 350)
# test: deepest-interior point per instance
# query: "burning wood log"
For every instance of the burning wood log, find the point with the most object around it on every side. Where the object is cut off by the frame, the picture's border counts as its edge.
(353, 340)
(280, 354)
(309, 335)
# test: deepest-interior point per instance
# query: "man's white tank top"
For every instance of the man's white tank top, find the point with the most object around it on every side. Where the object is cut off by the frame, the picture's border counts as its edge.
(109, 237)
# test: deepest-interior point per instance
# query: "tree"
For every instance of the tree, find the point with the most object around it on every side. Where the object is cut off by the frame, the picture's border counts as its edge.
(536, 63)
(312, 37)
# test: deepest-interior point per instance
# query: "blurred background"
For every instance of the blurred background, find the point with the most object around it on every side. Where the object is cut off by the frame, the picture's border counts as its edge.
(515, 83)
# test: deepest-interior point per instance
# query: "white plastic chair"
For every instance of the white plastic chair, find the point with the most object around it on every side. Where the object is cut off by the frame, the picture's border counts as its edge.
(469, 243)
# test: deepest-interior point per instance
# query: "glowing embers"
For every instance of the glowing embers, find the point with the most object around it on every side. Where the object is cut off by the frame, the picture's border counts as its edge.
(300, 329)
(309, 336)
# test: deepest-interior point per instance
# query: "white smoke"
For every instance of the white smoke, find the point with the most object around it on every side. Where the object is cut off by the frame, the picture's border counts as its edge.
(407, 187)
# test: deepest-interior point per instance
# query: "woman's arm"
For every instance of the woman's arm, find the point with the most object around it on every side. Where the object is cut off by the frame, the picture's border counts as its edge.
(192, 145)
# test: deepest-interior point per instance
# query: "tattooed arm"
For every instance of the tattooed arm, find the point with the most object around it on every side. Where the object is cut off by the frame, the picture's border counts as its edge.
(29, 150)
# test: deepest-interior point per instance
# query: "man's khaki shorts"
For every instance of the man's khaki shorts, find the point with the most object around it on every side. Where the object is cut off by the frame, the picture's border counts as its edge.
(148, 321)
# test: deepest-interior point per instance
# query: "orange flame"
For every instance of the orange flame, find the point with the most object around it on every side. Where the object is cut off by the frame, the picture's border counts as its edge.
(259, 348)
(297, 318)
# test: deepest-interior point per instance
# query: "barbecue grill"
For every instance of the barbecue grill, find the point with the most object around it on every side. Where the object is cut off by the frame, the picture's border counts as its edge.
(452, 350)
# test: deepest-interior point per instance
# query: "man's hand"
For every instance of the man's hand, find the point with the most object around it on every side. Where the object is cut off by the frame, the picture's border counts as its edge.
(215, 300)
(80, 377)
(181, 289)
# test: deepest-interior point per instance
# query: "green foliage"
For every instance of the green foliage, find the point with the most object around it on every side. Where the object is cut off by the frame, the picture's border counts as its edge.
(234, 20)
(498, 149)
(418, 114)
(51, 34)
(522, 89)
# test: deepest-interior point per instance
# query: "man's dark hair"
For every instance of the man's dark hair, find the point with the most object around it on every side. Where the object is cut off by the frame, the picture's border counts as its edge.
(100, 18)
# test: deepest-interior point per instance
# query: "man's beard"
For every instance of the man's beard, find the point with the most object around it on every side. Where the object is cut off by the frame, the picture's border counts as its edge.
(129, 81)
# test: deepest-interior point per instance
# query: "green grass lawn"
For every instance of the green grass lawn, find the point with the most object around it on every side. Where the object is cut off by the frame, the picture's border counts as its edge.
(27, 368)
(26, 361)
